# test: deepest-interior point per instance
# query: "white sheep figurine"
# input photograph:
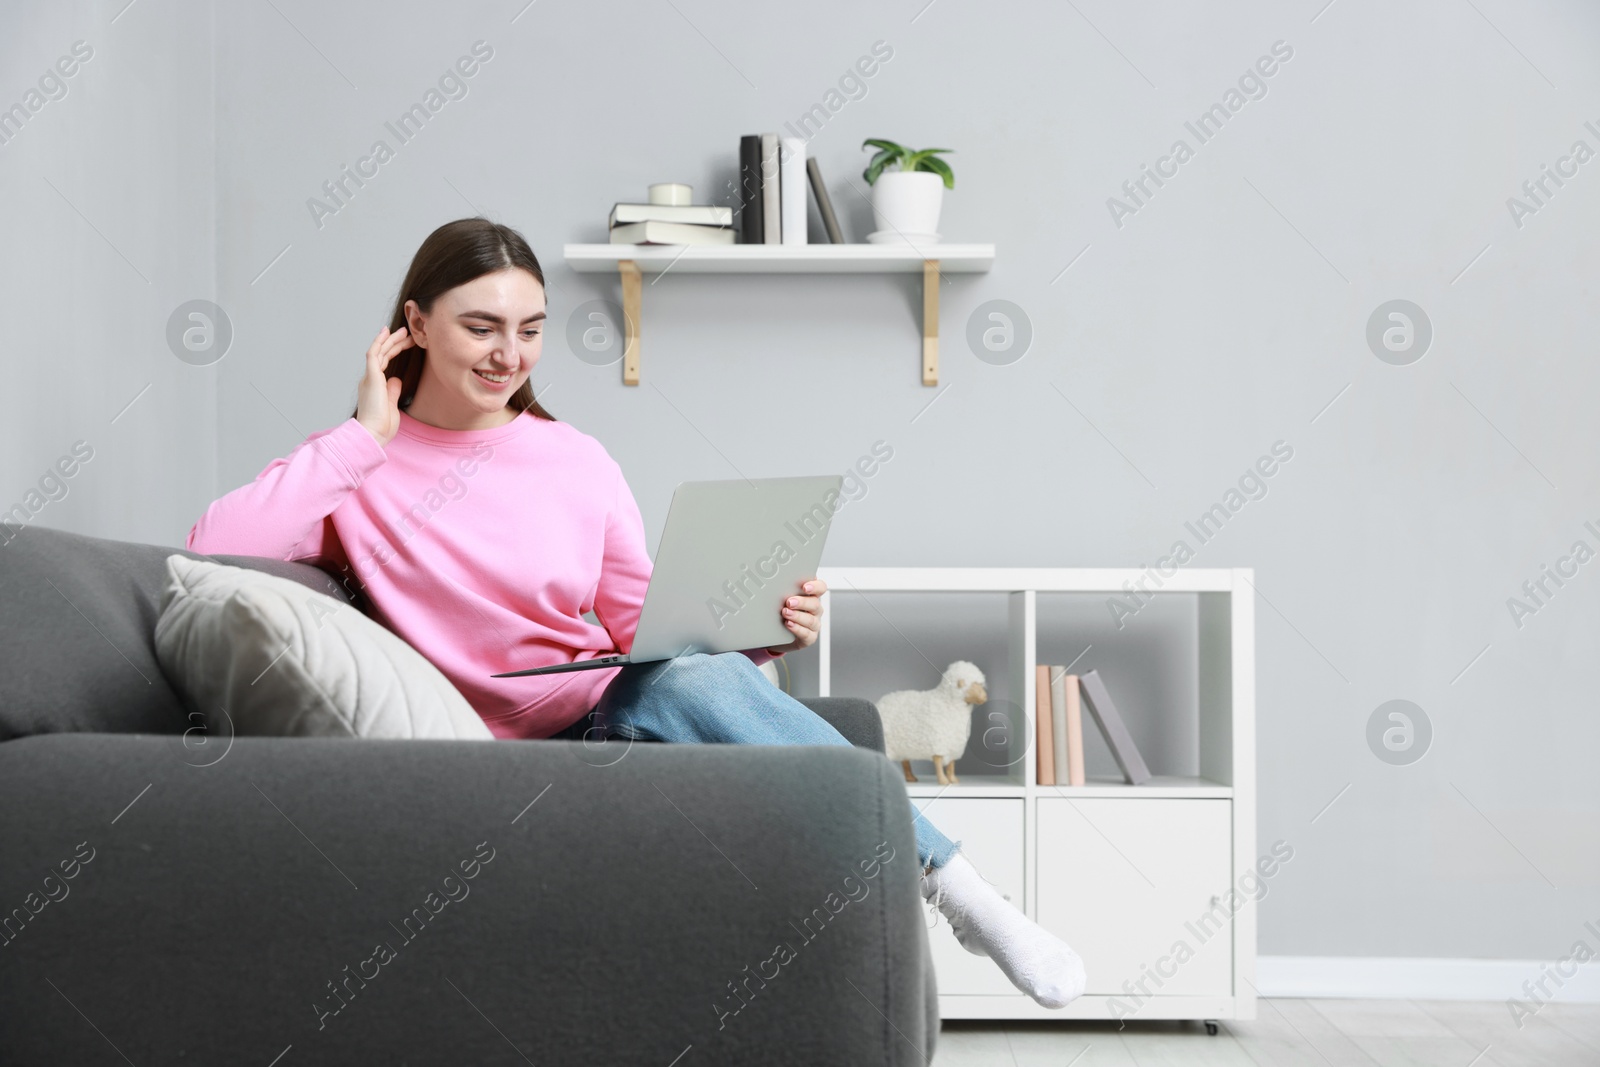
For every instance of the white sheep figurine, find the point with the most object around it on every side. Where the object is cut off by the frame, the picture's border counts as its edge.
(933, 723)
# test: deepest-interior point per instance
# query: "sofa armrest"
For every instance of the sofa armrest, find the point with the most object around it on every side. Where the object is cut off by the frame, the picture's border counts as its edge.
(857, 719)
(433, 901)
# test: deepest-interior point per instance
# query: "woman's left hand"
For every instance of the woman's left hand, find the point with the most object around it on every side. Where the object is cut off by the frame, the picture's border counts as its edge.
(802, 615)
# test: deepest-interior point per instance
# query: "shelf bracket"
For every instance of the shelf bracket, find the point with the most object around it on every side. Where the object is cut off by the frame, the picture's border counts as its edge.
(930, 322)
(630, 320)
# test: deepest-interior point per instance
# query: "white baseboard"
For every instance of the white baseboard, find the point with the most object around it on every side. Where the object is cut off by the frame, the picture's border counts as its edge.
(1417, 978)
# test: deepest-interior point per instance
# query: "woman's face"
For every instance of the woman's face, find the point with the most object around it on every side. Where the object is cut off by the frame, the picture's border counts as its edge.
(490, 328)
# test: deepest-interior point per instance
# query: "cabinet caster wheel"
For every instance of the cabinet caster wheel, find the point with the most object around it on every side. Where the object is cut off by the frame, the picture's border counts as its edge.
(1211, 1027)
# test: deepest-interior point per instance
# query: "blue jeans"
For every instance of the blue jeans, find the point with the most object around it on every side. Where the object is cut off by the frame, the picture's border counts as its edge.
(721, 699)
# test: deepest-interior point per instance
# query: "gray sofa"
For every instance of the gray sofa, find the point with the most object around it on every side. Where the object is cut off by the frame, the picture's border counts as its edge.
(171, 896)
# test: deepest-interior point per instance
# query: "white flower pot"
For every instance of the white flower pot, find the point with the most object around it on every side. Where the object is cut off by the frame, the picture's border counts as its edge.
(907, 202)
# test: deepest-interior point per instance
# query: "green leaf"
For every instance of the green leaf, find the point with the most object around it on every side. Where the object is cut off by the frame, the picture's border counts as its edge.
(879, 161)
(907, 160)
(888, 152)
(939, 167)
(884, 158)
(915, 160)
(878, 142)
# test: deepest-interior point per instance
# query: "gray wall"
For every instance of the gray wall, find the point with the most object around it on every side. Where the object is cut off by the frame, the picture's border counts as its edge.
(108, 223)
(1223, 316)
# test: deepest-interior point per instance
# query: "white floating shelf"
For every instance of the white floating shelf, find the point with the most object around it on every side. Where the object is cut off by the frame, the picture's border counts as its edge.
(781, 259)
(631, 262)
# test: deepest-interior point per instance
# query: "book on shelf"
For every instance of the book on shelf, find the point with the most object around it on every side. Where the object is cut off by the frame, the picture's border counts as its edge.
(792, 189)
(771, 216)
(1043, 745)
(1058, 721)
(1074, 720)
(692, 214)
(751, 225)
(830, 222)
(1109, 720)
(670, 233)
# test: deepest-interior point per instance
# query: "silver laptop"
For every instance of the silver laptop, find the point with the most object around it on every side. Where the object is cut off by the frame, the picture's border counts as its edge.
(730, 552)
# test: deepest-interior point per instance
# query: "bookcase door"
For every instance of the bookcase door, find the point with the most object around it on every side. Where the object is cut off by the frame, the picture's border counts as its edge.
(1140, 888)
(990, 832)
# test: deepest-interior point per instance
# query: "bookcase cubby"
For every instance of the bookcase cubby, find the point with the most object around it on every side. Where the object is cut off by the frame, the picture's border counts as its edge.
(1141, 880)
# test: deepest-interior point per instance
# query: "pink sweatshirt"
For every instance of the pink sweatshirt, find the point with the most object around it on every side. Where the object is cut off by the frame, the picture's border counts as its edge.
(480, 548)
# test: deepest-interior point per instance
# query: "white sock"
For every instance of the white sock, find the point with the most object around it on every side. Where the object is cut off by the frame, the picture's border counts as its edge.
(986, 924)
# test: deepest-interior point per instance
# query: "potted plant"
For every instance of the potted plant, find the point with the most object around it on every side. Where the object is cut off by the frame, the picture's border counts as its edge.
(906, 201)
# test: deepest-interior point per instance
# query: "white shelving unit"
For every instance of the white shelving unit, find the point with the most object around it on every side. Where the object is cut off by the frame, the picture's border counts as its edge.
(1122, 873)
(633, 261)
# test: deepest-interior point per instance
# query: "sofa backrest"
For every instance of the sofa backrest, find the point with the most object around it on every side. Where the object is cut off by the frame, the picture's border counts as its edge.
(77, 632)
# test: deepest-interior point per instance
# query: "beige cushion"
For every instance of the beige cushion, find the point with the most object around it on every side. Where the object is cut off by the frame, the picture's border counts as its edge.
(283, 660)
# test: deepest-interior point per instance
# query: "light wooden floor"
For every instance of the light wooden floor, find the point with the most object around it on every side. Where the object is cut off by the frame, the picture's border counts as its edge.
(1296, 1033)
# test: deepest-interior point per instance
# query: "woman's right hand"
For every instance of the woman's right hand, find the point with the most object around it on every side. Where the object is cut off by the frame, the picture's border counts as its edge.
(378, 398)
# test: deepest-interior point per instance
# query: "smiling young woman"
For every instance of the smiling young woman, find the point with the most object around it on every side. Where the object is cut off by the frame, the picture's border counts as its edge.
(499, 574)
(473, 301)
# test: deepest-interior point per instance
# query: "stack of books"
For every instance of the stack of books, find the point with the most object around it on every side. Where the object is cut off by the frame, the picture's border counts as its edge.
(773, 175)
(1058, 731)
(671, 224)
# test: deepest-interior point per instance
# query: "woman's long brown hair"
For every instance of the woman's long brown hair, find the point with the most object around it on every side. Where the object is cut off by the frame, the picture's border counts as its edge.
(453, 255)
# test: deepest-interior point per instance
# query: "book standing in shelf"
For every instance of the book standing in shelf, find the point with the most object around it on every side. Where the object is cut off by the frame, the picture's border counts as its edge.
(1058, 720)
(830, 222)
(1043, 734)
(1115, 730)
(1074, 717)
(752, 226)
(771, 206)
(792, 188)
